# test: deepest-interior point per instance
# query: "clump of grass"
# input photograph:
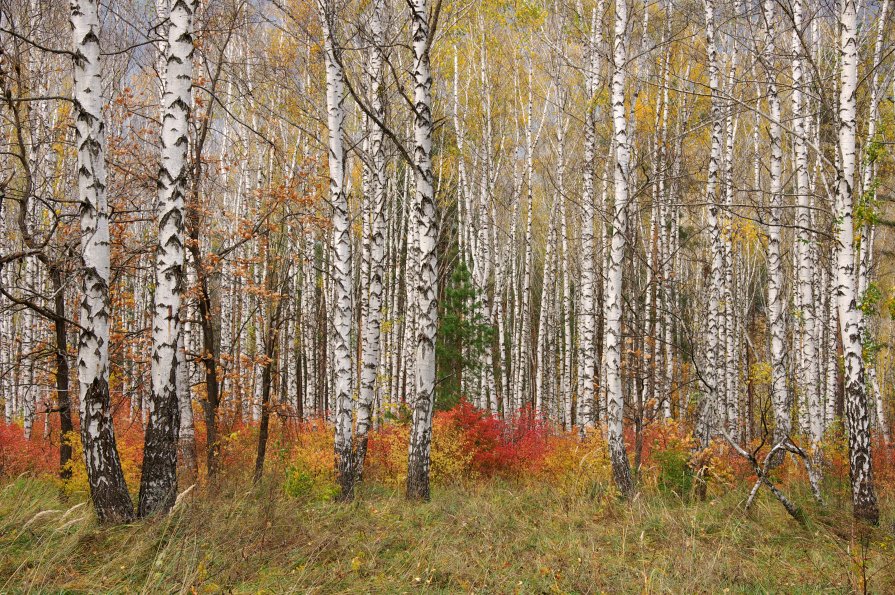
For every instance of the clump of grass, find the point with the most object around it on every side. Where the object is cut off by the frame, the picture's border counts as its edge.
(502, 535)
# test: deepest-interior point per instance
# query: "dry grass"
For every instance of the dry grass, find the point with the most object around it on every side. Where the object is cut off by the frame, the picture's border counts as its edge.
(487, 537)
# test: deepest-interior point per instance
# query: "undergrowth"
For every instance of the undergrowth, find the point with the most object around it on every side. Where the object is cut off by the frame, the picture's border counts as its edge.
(516, 507)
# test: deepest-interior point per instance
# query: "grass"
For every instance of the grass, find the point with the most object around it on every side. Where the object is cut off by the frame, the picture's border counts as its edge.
(494, 536)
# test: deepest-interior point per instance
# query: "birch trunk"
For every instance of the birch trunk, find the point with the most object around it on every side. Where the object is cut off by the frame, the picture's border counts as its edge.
(777, 322)
(807, 380)
(856, 411)
(340, 339)
(375, 244)
(427, 290)
(158, 482)
(107, 486)
(708, 411)
(615, 399)
(586, 305)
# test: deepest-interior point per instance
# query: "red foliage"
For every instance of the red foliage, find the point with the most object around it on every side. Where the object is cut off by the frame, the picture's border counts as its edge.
(500, 446)
(19, 455)
(510, 447)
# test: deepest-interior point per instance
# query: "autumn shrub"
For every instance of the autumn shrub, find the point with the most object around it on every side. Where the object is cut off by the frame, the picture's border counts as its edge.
(468, 444)
(506, 447)
(574, 467)
(711, 469)
(672, 463)
(386, 460)
(130, 452)
(19, 455)
(451, 456)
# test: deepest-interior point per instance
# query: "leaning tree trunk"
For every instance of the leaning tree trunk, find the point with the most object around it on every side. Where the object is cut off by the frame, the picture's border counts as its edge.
(615, 397)
(158, 483)
(857, 415)
(108, 489)
(426, 291)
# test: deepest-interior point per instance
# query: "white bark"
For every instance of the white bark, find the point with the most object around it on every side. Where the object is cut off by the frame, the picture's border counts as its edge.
(777, 321)
(426, 294)
(807, 380)
(709, 407)
(587, 283)
(158, 486)
(108, 490)
(615, 397)
(857, 414)
(375, 244)
(341, 254)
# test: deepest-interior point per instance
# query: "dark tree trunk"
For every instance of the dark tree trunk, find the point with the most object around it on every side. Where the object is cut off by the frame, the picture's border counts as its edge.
(265, 419)
(300, 380)
(108, 490)
(158, 480)
(210, 363)
(750, 385)
(271, 353)
(63, 400)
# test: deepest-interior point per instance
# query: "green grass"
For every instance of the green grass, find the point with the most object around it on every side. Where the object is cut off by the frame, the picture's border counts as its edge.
(493, 537)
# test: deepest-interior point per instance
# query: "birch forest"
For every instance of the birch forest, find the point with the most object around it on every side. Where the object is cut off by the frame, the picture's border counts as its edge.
(488, 296)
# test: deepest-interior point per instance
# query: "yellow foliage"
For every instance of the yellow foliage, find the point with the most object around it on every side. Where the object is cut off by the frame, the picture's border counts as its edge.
(451, 459)
(760, 373)
(574, 467)
(313, 451)
(129, 451)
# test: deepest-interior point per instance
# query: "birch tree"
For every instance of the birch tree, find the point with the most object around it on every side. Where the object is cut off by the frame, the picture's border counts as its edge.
(587, 284)
(375, 244)
(341, 274)
(807, 384)
(108, 490)
(615, 399)
(158, 484)
(857, 415)
(426, 294)
(777, 322)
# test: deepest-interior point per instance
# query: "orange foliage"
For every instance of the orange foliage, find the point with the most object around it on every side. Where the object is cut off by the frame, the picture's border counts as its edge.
(19, 455)
(468, 444)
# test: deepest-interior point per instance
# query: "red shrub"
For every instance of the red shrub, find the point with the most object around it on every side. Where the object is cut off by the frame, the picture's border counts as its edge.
(18, 455)
(500, 446)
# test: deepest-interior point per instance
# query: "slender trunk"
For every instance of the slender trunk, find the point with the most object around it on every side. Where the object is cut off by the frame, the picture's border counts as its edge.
(341, 256)
(271, 343)
(777, 322)
(708, 412)
(427, 290)
(63, 401)
(375, 244)
(856, 410)
(585, 417)
(158, 482)
(807, 378)
(615, 399)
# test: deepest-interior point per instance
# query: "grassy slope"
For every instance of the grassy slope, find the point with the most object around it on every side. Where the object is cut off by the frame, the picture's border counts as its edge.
(496, 537)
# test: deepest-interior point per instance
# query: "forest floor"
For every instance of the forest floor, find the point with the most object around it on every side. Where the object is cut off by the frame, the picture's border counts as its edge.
(488, 536)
